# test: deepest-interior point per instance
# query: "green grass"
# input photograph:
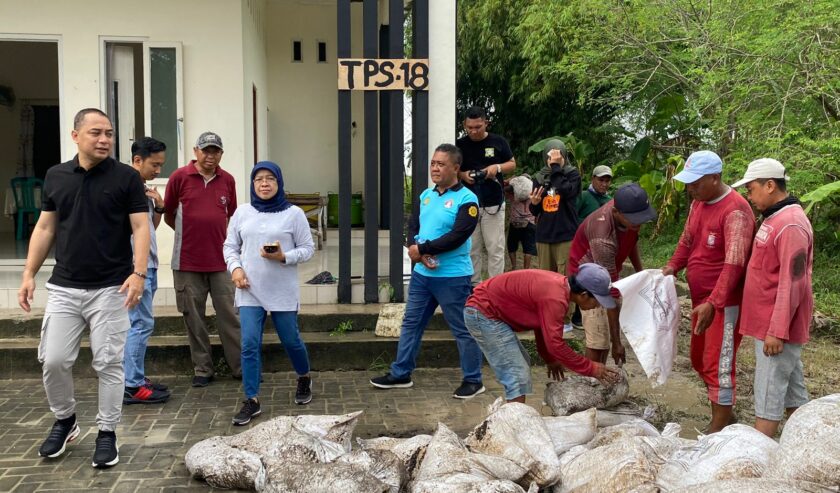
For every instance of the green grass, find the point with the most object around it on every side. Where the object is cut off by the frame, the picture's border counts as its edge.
(342, 328)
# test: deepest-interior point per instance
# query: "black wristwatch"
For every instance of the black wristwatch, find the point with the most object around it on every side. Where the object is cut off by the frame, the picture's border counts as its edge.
(160, 210)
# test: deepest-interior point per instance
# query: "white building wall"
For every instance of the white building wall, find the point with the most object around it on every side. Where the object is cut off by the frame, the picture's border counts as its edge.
(254, 58)
(211, 35)
(442, 73)
(303, 96)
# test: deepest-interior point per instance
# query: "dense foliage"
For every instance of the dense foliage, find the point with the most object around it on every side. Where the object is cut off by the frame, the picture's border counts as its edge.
(746, 79)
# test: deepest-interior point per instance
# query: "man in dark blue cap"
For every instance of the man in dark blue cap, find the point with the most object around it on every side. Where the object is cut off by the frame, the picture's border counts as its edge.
(608, 237)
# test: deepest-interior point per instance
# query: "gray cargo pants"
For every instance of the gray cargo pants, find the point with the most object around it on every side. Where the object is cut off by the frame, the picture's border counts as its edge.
(68, 312)
(191, 290)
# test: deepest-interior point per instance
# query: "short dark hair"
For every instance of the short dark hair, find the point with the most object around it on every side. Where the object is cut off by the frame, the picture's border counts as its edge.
(80, 116)
(781, 184)
(576, 288)
(146, 146)
(453, 152)
(474, 112)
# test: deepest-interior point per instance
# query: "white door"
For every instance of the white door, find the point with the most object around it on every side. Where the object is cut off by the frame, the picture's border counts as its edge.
(121, 99)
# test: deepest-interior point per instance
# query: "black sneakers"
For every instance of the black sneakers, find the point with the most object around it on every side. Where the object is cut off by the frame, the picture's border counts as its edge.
(106, 453)
(468, 390)
(250, 409)
(389, 382)
(63, 432)
(200, 381)
(303, 394)
(144, 395)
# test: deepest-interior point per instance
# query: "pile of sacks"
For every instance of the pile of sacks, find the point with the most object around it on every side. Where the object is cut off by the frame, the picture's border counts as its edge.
(515, 449)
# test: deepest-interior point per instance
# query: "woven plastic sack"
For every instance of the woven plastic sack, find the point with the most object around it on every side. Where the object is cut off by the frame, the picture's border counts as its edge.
(650, 316)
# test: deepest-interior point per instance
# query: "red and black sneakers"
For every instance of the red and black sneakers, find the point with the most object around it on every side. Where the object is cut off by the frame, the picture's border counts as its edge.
(144, 395)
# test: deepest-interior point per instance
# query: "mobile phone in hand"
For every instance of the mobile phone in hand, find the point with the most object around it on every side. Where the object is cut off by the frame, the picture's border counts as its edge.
(271, 248)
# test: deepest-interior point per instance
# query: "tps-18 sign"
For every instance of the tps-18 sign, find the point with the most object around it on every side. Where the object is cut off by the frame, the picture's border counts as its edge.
(376, 74)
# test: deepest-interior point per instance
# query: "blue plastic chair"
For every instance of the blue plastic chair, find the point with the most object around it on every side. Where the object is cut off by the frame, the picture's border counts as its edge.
(23, 189)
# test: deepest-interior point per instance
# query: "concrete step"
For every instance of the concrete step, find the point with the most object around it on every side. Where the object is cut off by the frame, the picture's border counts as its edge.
(168, 322)
(170, 354)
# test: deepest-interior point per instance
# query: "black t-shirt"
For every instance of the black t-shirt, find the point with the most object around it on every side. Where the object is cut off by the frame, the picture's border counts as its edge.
(493, 149)
(93, 236)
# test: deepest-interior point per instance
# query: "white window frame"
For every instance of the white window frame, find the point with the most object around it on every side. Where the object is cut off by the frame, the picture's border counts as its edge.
(147, 79)
(179, 96)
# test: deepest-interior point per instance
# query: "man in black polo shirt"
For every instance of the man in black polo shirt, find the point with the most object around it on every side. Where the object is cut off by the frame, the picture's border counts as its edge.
(91, 206)
(487, 157)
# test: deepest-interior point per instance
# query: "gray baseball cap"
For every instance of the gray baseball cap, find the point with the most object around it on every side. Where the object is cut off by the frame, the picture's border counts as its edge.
(208, 139)
(602, 170)
(596, 280)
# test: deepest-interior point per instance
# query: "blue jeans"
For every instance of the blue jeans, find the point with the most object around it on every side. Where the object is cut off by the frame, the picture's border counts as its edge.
(252, 320)
(424, 296)
(504, 352)
(142, 325)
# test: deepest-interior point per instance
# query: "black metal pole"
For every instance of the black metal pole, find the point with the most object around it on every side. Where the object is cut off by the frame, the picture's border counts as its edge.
(344, 160)
(420, 105)
(371, 250)
(395, 249)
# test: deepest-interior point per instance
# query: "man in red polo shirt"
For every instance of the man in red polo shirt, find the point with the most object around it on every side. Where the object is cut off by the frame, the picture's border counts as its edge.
(607, 237)
(714, 248)
(200, 199)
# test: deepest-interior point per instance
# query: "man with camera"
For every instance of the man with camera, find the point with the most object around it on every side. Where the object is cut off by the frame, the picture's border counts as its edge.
(487, 157)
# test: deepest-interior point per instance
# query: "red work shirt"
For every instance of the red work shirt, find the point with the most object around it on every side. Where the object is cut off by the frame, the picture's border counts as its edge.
(778, 297)
(202, 209)
(532, 300)
(599, 241)
(715, 246)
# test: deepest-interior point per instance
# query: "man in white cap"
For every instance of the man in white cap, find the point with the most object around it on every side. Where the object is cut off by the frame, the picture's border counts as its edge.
(535, 300)
(714, 248)
(591, 199)
(778, 296)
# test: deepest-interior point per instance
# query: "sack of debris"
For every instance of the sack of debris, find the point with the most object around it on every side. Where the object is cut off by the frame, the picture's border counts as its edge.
(517, 432)
(409, 450)
(449, 467)
(810, 444)
(232, 461)
(568, 431)
(618, 467)
(578, 393)
(758, 485)
(650, 317)
(286, 477)
(223, 466)
(736, 452)
(633, 428)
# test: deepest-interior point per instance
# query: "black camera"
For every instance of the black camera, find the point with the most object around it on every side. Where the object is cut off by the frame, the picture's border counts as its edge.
(478, 175)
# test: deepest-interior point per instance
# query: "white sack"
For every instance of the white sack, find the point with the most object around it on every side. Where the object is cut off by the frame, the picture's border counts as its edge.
(618, 467)
(634, 428)
(223, 466)
(517, 432)
(736, 452)
(810, 444)
(447, 460)
(758, 486)
(569, 431)
(650, 315)
(410, 450)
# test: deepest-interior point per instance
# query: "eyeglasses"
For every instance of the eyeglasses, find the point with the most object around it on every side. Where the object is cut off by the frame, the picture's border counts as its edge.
(267, 179)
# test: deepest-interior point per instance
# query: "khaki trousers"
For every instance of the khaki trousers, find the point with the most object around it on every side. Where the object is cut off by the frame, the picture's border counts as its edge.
(191, 290)
(489, 235)
(554, 257)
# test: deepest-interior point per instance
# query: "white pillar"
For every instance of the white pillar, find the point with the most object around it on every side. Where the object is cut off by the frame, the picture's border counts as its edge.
(441, 73)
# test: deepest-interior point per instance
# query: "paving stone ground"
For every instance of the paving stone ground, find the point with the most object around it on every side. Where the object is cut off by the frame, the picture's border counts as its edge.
(154, 438)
